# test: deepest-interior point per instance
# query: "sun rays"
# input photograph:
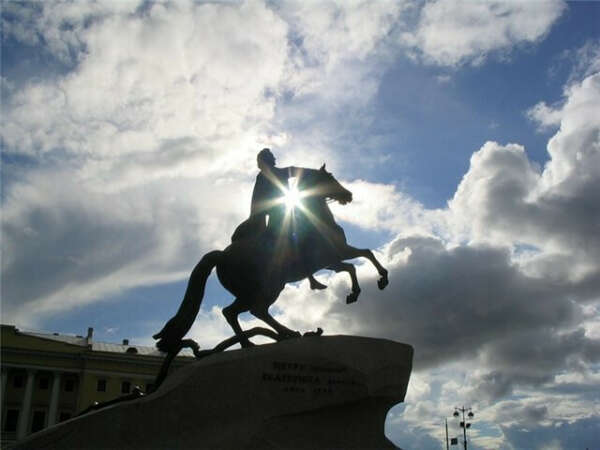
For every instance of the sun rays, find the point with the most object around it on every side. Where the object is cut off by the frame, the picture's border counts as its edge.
(292, 197)
(294, 212)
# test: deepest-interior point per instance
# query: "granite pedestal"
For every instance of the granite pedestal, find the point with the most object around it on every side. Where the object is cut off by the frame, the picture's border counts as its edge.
(314, 392)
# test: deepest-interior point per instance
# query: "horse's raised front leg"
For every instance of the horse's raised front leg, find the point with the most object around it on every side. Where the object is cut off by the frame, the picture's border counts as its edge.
(352, 252)
(231, 314)
(347, 267)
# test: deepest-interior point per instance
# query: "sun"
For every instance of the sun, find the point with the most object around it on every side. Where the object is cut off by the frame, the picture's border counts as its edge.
(292, 197)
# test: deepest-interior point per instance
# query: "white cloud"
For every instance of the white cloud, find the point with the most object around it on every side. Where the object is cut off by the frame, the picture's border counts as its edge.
(338, 53)
(169, 77)
(585, 61)
(382, 207)
(452, 33)
(545, 116)
(506, 199)
(59, 29)
(126, 142)
(575, 149)
(337, 32)
(443, 79)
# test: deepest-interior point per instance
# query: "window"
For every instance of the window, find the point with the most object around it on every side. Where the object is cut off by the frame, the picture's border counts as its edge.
(12, 418)
(38, 422)
(101, 386)
(69, 385)
(125, 387)
(44, 382)
(18, 381)
(64, 415)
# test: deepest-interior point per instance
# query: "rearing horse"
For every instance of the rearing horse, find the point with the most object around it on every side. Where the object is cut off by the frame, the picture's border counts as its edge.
(255, 270)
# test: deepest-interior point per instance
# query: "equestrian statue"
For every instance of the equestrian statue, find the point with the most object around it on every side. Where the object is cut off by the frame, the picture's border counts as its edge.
(279, 243)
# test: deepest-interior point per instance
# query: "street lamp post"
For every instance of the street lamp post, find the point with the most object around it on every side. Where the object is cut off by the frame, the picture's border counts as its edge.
(464, 424)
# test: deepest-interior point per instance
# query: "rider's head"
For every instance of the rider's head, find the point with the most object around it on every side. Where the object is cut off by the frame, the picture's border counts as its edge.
(265, 159)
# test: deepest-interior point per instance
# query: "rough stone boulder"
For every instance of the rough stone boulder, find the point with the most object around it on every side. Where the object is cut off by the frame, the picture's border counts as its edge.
(314, 392)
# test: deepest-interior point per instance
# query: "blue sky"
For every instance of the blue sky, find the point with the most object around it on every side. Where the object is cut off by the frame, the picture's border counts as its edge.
(468, 132)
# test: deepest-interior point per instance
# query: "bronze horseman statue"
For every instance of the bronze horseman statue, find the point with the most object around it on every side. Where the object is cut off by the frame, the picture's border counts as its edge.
(339, 388)
(276, 245)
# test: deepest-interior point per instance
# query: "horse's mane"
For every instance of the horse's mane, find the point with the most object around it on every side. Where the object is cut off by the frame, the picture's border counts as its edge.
(316, 202)
(309, 178)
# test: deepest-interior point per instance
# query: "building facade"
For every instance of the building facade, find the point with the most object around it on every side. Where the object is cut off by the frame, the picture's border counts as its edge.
(48, 377)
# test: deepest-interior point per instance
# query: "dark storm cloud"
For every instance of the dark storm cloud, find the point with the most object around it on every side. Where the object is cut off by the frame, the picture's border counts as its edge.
(451, 303)
(585, 388)
(64, 244)
(51, 247)
(532, 358)
(542, 351)
(492, 386)
(527, 414)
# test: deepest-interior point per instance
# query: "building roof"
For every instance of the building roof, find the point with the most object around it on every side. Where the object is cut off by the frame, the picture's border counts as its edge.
(66, 338)
(107, 347)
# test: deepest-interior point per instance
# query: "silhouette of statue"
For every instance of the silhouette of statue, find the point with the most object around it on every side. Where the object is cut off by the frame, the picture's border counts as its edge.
(263, 257)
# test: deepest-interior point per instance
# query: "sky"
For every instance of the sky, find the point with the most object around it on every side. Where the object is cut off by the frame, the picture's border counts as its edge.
(468, 132)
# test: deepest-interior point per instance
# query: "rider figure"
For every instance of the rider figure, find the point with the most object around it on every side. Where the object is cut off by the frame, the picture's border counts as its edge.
(266, 201)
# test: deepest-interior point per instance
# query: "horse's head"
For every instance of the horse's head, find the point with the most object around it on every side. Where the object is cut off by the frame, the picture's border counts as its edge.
(323, 184)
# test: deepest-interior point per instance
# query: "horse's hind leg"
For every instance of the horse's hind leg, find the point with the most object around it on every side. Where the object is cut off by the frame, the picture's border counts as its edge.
(262, 312)
(352, 252)
(347, 267)
(231, 314)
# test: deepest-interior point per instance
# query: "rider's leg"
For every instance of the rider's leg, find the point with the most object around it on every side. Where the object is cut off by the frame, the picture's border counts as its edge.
(231, 314)
(314, 284)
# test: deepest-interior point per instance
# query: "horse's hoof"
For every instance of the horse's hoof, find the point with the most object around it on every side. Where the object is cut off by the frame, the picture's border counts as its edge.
(203, 353)
(247, 344)
(351, 298)
(382, 282)
(290, 335)
(319, 332)
(318, 287)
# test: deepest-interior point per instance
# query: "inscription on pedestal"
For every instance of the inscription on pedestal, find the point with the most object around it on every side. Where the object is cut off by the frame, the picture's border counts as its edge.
(302, 378)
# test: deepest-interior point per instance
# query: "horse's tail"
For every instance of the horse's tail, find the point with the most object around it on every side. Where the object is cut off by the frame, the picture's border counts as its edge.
(176, 328)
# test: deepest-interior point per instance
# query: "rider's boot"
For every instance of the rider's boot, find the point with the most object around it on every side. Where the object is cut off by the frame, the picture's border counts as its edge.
(314, 284)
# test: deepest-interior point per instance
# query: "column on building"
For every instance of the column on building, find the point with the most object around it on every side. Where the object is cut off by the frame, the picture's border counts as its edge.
(4, 378)
(2, 393)
(54, 398)
(26, 406)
